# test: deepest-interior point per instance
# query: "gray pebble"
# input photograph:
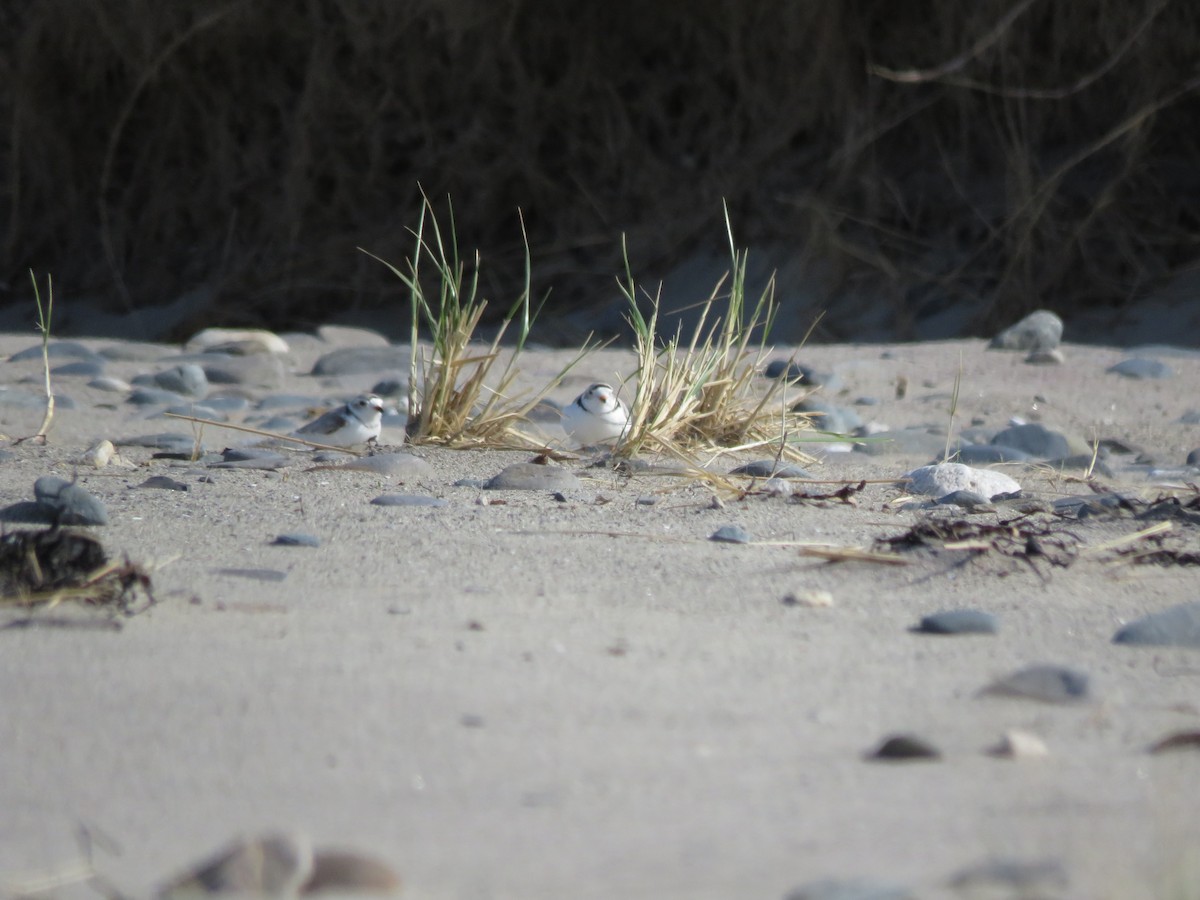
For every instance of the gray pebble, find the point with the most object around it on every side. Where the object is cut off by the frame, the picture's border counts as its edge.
(175, 443)
(226, 403)
(109, 384)
(1193, 458)
(68, 502)
(57, 350)
(186, 379)
(770, 468)
(731, 534)
(254, 574)
(264, 370)
(401, 464)
(905, 748)
(162, 482)
(1035, 440)
(296, 539)
(1141, 367)
(791, 370)
(533, 477)
(1040, 330)
(28, 512)
(1047, 683)
(362, 360)
(963, 499)
(390, 387)
(1177, 626)
(983, 454)
(1191, 417)
(84, 368)
(409, 500)
(195, 410)
(958, 621)
(849, 889)
(1052, 357)
(153, 396)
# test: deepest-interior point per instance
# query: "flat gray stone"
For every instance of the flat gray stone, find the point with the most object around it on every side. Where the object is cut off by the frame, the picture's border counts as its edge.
(731, 534)
(533, 477)
(1047, 683)
(1034, 440)
(398, 464)
(81, 368)
(984, 454)
(362, 360)
(958, 621)
(1177, 626)
(185, 379)
(154, 396)
(1141, 367)
(1040, 330)
(409, 500)
(262, 370)
(57, 350)
(163, 483)
(296, 539)
(68, 502)
(770, 468)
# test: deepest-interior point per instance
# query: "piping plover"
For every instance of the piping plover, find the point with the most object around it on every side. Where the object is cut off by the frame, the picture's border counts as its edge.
(356, 422)
(596, 416)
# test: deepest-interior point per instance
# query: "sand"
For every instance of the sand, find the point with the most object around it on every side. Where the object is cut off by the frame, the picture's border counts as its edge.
(536, 698)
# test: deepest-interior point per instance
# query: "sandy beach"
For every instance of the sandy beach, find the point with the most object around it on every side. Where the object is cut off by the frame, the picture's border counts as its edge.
(518, 695)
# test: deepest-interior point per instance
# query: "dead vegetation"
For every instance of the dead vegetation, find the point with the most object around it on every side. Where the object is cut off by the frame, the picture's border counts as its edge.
(998, 155)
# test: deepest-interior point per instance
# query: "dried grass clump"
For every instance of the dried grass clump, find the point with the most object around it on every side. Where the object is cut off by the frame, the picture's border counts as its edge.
(999, 155)
(704, 394)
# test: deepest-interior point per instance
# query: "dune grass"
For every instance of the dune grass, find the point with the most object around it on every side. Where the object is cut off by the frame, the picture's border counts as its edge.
(703, 392)
(461, 389)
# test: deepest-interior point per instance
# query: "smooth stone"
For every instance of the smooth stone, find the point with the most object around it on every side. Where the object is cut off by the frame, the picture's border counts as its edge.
(342, 873)
(253, 574)
(1191, 417)
(1141, 367)
(28, 512)
(791, 370)
(404, 464)
(1193, 458)
(904, 747)
(251, 458)
(260, 370)
(162, 441)
(390, 387)
(109, 384)
(731, 534)
(274, 865)
(83, 368)
(1052, 357)
(533, 477)
(57, 350)
(296, 539)
(1035, 440)
(98, 455)
(68, 502)
(983, 454)
(162, 482)
(409, 500)
(196, 411)
(1047, 683)
(186, 379)
(1018, 744)
(770, 468)
(826, 416)
(849, 889)
(1040, 330)
(362, 360)
(351, 336)
(963, 499)
(946, 478)
(1177, 626)
(266, 341)
(916, 441)
(7, 455)
(153, 396)
(958, 621)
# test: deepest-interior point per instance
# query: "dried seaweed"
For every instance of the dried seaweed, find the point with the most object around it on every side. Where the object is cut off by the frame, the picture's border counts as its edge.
(1020, 538)
(50, 566)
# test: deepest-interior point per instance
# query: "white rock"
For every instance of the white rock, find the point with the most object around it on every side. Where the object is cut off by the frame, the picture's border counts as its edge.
(945, 478)
(814, 599)
(212, 337)
(1017, 744)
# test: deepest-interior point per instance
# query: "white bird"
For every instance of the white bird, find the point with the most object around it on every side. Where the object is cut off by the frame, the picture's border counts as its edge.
(596, 416)
(356, 422)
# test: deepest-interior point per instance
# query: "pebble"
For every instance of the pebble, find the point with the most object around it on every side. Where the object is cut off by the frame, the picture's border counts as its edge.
(162, 482)
(409, 500)
(533, 477)
(731, 534)
(226, 403)
(275, 865)
(945, 478)
(968, 500)
(68, 502)
(1177, 626)
(362, 360)
(251, 458)
(1141, 367)
(175, 443)
(267, 341)
(402, 464)
(261, 370)
(814, 599)
(849, 889)
(83, 368)
(1040, 330)
(185, 379)
(985, 454)
(98, 455)
(296, 539)
(21, 400)
(289, 401)
(351, 336)
(1018, 744)
(1047, 683)
(109, 384)
(904, 747)
(1193, 458)
(195, 410)
(793, 371)
(153, 396)
(770, 468)
(958, 621)
(1034, 440)
(57, 350)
